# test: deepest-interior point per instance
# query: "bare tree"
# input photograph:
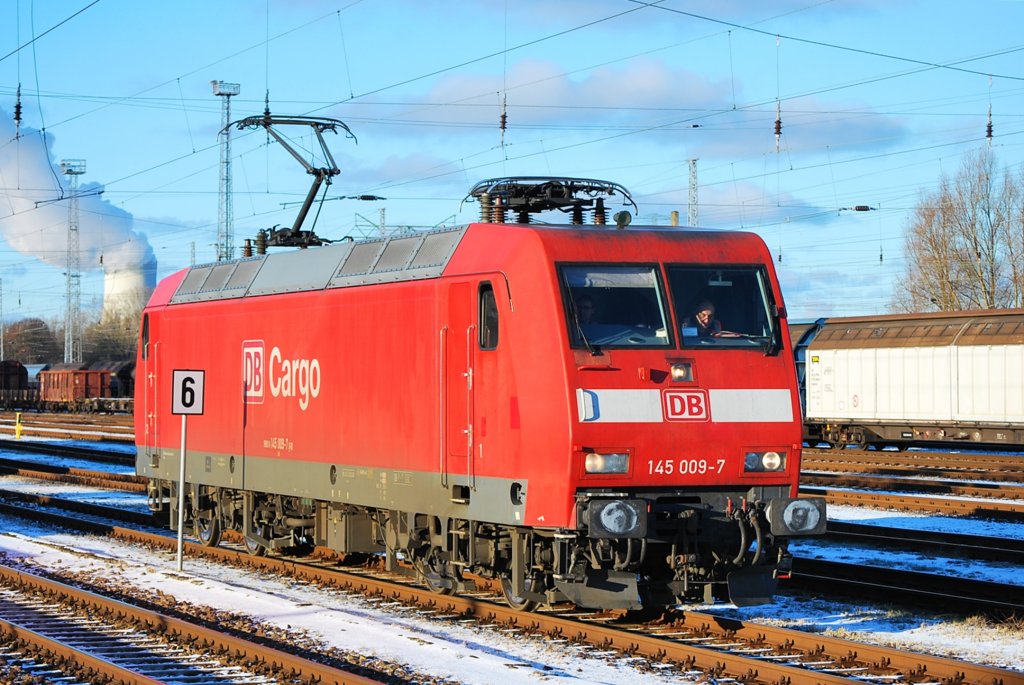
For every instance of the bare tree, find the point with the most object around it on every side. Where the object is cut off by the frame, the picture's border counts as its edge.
(965, 242)
(114, 336)
(32, 341)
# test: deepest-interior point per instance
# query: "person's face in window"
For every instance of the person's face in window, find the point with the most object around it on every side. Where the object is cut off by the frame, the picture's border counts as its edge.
(585, 310)
(705, 316)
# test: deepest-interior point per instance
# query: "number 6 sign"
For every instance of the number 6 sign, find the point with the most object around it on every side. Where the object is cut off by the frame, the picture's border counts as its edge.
(187, 386)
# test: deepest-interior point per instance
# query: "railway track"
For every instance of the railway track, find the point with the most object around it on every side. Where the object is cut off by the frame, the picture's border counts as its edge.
(1005, 509)
(915, 484)
(964, 594)
(932, 542)
(98, 427)
(59, 629)
(687, 641)
(944, 465)
(56, 449)
(1008, 508)
(78, 476)
(764, 652)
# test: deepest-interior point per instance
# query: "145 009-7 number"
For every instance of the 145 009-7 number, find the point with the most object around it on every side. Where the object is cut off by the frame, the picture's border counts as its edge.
(695, 467)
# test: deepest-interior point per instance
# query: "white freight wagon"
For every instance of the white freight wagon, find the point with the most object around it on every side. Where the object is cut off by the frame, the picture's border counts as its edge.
(914, 378)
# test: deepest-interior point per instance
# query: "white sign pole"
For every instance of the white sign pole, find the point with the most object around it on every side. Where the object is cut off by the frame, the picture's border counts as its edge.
(187, 398)
(181, 497)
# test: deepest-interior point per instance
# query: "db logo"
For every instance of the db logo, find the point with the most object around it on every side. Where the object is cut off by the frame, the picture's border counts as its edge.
(253, 370)
(686, 405)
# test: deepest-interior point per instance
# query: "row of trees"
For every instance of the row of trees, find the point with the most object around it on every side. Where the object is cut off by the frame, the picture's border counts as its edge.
(34, 341)
(965, 242)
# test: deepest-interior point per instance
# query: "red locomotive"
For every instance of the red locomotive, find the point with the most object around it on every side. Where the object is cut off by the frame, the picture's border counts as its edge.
(527, 402)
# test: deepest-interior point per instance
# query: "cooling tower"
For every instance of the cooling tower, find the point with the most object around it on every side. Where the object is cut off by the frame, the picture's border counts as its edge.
(126, 289)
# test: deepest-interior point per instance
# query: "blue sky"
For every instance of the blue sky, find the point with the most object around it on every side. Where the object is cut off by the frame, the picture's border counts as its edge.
(878, 100)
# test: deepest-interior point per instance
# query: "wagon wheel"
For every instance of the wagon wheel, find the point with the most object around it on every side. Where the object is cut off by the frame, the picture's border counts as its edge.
(516, 602)
(436, 573)
(207, 521)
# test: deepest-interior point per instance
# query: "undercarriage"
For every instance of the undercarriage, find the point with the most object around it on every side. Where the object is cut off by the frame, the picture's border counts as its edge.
(669, 550)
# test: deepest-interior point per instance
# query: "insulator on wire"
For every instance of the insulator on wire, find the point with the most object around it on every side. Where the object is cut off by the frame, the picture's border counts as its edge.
(778, 124)
(17, 113)
(988, 127)
(503, 120)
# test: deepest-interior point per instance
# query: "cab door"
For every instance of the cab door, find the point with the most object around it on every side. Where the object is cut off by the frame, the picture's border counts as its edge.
(149, 347)
(467, 336)
(457, 379)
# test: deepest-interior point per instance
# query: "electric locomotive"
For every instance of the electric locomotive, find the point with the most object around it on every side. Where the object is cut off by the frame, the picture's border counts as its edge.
(511, 400)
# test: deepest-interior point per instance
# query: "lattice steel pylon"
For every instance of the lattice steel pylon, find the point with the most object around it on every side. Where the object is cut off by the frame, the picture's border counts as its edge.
(225, 212)
(73, 168)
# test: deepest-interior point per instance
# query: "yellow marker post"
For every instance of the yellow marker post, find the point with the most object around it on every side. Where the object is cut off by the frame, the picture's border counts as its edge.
(17, 425)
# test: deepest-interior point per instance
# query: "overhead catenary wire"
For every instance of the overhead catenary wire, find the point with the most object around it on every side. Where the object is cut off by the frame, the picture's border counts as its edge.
(546, 147)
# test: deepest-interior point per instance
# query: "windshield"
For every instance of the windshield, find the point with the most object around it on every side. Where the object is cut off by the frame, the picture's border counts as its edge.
(614, 306)
(723, 306)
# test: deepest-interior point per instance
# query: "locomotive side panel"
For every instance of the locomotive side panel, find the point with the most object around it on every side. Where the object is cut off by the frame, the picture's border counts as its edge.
(350, 405)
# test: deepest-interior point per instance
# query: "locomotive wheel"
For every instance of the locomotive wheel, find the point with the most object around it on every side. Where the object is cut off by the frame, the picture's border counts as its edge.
(207, 524)
(208, 528)
(436, 574)
(514, 601)
(254, 548)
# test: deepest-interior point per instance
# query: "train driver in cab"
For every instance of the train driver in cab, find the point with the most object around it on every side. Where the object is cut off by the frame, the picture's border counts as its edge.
(585, 310)
(704, 320)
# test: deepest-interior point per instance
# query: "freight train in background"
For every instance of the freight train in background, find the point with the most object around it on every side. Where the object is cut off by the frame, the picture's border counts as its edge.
(913, 379)
(524, 402)
(96, 387)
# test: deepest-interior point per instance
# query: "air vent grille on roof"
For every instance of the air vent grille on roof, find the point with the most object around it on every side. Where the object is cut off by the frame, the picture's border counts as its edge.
(397, 254)
(390, 260)
(361, 259)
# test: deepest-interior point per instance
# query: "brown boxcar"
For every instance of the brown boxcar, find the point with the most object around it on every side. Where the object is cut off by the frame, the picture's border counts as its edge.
(72, 388)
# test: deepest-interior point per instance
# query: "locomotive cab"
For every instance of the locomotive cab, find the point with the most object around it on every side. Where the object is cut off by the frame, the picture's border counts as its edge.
(687, 435)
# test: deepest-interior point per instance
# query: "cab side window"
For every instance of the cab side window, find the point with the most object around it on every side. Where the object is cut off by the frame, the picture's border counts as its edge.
(488, 318)
(145, 337)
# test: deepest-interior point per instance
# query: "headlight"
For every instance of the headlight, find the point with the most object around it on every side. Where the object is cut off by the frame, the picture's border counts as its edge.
(804, 516)
(682, 372)
(614, 462)
(617, 518)
(764, 461)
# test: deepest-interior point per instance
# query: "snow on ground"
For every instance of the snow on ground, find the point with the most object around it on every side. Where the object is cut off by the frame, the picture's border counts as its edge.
(475, 655)
(451, 651)
(79, 493)
(932, 522)
(864, 554)
(970, 639)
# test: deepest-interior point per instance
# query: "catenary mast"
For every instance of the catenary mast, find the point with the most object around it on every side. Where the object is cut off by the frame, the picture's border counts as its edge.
(225, 213)
(73, 168)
